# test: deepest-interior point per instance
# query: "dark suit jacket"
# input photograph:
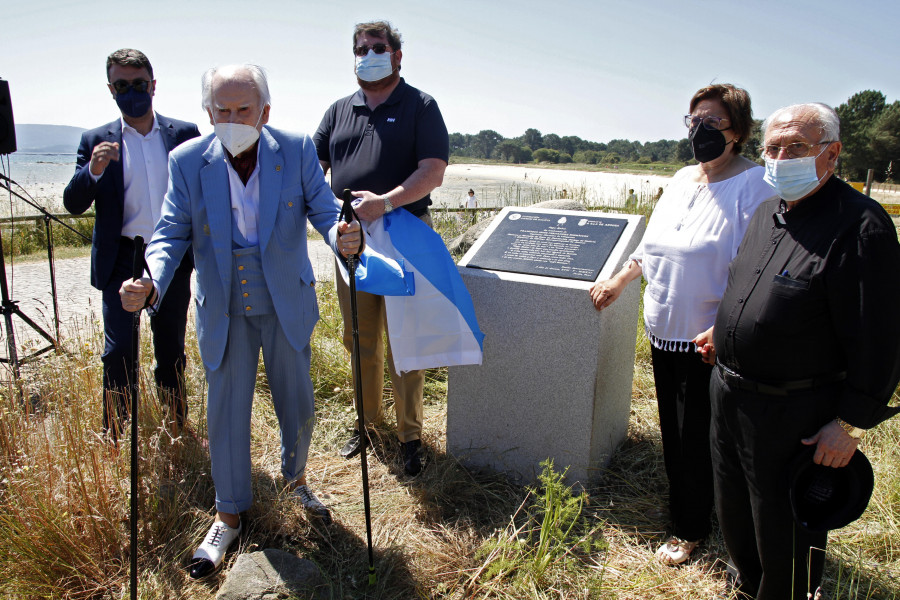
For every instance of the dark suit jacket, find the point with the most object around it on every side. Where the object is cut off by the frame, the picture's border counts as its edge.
(108, 192)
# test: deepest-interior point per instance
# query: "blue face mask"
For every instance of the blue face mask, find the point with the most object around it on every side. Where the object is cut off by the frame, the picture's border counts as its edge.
(374, 67)
(133, 103)
(793, 178)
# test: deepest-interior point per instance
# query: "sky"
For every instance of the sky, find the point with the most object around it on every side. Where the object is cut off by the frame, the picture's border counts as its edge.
(597, 69)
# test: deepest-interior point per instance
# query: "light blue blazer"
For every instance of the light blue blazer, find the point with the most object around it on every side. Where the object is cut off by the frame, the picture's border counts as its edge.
(197, 213)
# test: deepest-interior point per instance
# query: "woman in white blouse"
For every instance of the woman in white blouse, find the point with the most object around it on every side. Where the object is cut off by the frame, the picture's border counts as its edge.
(692, 236)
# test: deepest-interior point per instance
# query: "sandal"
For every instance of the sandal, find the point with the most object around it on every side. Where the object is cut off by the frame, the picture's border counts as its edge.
(675, 551)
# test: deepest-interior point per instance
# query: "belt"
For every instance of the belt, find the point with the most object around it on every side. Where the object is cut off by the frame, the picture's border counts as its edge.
(776, 388)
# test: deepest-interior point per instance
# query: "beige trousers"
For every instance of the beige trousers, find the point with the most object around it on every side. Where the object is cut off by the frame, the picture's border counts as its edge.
(408, 387)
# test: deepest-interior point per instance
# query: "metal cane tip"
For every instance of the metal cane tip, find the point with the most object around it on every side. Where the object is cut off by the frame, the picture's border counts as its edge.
(372, 577)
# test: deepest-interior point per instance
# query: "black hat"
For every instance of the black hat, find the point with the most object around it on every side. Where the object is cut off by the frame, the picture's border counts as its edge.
(824, 498)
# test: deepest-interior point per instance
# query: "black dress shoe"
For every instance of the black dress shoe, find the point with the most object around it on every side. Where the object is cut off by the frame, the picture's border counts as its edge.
(201, 568)
(412, 463)
(352, 447)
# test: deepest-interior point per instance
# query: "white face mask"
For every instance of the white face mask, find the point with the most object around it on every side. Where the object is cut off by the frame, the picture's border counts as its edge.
(793, 178)
(237, 137)
(374, 67)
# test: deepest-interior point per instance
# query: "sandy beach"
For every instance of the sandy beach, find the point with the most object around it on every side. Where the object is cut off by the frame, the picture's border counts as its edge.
(490, 181)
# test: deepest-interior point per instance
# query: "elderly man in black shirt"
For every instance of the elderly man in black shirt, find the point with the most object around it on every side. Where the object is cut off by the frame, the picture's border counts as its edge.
(807, 345)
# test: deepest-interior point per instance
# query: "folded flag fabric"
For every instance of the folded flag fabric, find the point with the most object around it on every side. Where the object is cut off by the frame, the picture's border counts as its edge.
(379, 274)
(436, 325)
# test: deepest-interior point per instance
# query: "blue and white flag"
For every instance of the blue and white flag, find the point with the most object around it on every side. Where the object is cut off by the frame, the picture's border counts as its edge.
(436, 325)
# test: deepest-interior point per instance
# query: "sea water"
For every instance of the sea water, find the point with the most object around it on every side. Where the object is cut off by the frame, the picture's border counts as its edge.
(40, 177)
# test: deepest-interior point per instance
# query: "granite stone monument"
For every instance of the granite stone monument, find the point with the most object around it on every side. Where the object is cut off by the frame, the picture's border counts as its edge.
(556, 377)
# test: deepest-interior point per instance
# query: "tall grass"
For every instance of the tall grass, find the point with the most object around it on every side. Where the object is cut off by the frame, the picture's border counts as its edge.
(29, 235)
(449, 533)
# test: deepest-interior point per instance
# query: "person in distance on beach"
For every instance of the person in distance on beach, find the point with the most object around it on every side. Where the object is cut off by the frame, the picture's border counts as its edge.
(693, 234)
(387, 143)
(122, 171)
(240, 199)
(807, 350)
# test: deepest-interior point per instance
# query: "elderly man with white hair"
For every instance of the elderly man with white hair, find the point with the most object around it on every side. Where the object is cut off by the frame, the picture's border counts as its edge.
(807, 349)
(241, 199)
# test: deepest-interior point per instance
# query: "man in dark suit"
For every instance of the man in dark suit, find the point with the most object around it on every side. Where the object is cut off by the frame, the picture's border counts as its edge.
(122, 170)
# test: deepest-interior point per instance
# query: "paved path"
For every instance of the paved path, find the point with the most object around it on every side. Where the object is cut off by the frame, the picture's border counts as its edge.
(80, 311)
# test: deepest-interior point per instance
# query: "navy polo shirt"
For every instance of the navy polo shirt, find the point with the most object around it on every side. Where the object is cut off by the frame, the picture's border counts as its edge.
(377, 150)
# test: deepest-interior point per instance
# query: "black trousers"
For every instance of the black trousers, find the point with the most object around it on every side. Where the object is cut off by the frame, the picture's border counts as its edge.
(168, 327)
(682, 393)
(754, 439)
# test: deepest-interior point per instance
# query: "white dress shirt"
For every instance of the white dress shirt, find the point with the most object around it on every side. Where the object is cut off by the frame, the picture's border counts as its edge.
(146, 175)
(245, 201)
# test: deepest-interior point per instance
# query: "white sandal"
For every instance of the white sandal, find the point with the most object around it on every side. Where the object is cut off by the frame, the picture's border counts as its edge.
(675, 551)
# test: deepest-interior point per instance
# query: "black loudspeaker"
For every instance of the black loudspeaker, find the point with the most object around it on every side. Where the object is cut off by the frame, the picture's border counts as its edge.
(7, 126)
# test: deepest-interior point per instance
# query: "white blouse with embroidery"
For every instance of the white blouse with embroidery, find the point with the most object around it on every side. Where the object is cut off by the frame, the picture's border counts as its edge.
(692, 237)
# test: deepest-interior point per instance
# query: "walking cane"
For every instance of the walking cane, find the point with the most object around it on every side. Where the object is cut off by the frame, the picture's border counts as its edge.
(347, 213)
(137, 269)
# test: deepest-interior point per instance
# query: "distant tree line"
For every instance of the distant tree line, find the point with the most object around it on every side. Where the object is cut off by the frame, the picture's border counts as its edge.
(870, 132)
(533, 146)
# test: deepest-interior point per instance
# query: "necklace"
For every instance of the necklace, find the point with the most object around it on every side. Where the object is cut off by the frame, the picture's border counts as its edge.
(690, 205)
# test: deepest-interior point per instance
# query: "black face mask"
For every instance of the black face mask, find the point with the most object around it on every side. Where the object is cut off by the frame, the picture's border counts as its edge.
(707, 144)
(133, 103)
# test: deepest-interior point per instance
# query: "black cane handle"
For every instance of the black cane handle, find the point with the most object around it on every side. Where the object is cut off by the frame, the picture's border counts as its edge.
(137, 266)
(347, 211)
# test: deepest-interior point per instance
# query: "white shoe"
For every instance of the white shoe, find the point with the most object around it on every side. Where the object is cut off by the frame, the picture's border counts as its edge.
(209, 555)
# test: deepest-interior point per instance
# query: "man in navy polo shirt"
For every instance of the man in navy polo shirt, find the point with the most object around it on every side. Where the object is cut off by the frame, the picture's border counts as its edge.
(388, 143)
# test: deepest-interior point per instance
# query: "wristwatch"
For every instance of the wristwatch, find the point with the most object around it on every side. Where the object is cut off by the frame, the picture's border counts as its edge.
(854, 432)
(388, 207)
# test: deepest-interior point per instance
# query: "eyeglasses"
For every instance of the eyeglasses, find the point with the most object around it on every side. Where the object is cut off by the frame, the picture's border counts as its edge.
(794, 150)
(712, 123)
(377, 48)
(139, 85)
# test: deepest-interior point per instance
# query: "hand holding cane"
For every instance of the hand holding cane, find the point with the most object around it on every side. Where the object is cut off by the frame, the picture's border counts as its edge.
(347, 213)
(137, 270)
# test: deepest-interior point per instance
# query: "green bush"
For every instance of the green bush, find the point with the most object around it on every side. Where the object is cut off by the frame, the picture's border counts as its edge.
(546, 155)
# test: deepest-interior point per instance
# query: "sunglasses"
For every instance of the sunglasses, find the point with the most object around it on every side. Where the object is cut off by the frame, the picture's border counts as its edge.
(710, 122)
(376, 48)
(139, 85)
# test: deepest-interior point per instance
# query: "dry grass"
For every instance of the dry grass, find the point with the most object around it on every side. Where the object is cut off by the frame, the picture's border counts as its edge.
(450, 533)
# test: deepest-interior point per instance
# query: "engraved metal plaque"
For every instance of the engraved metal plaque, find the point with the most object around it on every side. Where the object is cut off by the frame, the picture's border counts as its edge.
(536, 242)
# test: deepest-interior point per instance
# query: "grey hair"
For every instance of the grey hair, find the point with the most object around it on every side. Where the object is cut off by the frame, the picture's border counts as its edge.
(827, 118)
(257, 73)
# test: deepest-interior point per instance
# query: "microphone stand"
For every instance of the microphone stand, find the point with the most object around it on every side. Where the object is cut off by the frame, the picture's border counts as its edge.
(10, 307)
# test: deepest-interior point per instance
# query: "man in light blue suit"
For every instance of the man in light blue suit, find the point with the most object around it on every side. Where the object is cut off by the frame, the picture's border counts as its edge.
(241, 198)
